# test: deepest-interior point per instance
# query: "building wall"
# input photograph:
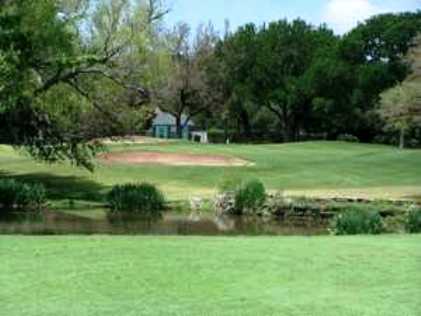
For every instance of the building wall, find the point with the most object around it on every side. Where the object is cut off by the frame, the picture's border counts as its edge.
(169, 131)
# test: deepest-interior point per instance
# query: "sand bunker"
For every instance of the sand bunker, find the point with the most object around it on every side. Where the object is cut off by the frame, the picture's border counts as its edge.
(173, 159)
(129, 140)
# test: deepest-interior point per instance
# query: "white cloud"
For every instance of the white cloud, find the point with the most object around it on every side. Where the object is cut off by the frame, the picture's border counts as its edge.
(343, 15)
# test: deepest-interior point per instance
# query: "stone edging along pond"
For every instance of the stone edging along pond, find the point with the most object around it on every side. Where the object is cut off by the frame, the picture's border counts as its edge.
(371, 216)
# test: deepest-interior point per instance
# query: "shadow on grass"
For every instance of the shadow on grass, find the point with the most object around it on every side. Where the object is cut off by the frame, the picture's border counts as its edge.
(63, 187)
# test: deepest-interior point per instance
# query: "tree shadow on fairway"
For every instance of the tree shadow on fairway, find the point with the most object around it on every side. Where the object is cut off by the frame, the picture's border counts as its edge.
(63, 187)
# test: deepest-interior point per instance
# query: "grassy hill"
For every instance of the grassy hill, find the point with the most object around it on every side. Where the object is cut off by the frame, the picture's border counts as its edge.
(313, 168)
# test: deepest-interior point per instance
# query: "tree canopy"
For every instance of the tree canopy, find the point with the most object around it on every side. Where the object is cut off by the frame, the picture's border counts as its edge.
(63, 59)
(313, 81)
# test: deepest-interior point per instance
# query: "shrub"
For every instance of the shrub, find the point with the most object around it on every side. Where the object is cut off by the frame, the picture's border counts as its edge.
(381, 139)
(141, 198)
(14, 194)
(355, 222)
(348, 138)
(238, 197)
(412, 143)
(250, 196)
(217, 136)
(413, 221)
(32, 195)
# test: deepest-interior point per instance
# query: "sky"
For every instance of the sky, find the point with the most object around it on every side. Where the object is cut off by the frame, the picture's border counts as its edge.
(341, 15)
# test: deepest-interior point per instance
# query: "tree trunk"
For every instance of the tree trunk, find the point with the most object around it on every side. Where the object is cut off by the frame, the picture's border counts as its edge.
(226, 135)
(246, 123)
(287, 124)
(287, 130)
(282, 120)
(178, 129)
(402, 139)
(286, 135)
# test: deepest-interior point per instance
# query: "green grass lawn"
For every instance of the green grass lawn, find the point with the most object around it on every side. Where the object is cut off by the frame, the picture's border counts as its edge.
(314, 168)
(350, 276)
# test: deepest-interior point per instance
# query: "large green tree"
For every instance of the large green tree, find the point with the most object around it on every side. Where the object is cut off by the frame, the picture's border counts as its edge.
(267, 70)
(311, 80)
(376, 51)
(235, 57)
(400, 106)
(286, 53)
(60, 56)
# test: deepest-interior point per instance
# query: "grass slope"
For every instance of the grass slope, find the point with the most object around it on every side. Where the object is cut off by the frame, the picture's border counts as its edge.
(311, 168)
(323, 276)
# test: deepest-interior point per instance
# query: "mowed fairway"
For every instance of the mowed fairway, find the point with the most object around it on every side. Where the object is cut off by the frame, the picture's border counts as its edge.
(322, 276)
(314, 168)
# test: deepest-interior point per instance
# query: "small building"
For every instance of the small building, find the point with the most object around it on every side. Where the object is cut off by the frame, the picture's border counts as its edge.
(164, 125)
(200, 137)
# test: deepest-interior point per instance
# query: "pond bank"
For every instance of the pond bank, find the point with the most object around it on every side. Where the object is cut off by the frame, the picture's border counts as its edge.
(194, 224)
(283, 216)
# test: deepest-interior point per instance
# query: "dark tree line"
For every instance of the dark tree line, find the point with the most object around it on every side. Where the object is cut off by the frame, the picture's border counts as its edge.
(299, 79)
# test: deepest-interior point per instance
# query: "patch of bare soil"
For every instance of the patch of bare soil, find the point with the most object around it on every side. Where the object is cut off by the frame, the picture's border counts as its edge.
(173, 159)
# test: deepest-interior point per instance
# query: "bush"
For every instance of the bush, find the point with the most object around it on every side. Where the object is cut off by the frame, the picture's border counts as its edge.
(217, 136)
(141, 198)
(412, 143)
(250, 196)
(348, 138)
(355, 222)
(239, 197)
(14, 194)
(413, 222)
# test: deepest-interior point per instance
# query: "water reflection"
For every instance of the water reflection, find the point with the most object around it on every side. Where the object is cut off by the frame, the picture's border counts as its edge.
(51, 222)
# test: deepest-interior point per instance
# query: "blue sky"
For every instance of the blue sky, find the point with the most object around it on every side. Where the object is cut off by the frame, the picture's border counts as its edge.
(341, 15)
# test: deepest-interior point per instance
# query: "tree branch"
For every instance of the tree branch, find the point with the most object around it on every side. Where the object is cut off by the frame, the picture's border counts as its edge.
(78, 89)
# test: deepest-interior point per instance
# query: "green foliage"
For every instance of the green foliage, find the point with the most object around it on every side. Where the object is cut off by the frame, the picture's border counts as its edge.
(386, 37)
(401, 108)
(55, 71)
(311, 80)
(240, 196)
(217, 136)
(413, 222)
(141, 198)
(25, 196)
(356, 222)
(250, 196)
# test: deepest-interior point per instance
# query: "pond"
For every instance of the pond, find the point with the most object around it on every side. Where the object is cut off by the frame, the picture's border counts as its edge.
(61, 223)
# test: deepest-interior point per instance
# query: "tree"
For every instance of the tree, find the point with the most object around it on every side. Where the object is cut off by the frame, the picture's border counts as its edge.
(401, 108)
(414, 60)
(235, 58)
(186, 89)
(63, 48)
(281, 73)
(311, 80)
(375, 52)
